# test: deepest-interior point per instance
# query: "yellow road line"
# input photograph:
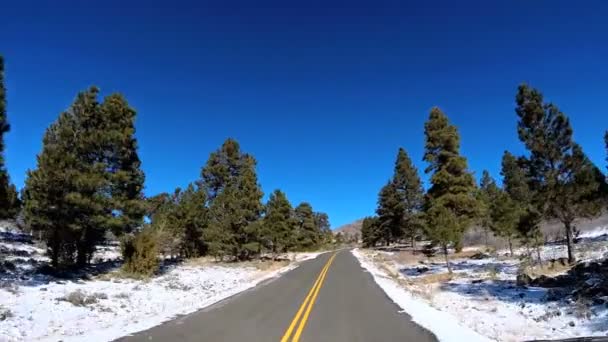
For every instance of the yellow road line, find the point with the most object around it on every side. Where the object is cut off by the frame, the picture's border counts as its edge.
(296, 337)
(311, 293)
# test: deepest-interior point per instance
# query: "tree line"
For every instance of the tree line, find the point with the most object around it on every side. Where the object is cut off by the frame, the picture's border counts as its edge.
(555, 180)
(88, 187)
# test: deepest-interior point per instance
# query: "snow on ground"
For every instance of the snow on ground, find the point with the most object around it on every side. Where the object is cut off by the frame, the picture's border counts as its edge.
(482, 294)
(33, 306)
(122, 306)
(444, 326)
(303, 256)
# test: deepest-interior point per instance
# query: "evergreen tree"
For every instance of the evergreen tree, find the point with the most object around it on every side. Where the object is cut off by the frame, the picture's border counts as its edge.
(125, 176)
(409, 189)
(307, 232)
(339, 238)
(87, 171)
(504, 217)
(516, 183)
(370, 232)
(488, 190)
(9, 201)
(46, 207)
(323, 226)
(180, 221)
(450, 204)
(219, 236)
(234, 197)
(250, 194)
(391, 213)
(279, 226)
(155, 204)
(564, 174)
(400, 202)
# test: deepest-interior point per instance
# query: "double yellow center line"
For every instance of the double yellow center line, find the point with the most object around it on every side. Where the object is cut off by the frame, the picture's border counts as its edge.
(307, 305)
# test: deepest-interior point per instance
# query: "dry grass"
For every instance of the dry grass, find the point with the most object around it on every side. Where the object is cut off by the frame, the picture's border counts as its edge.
(270, 265)
(426, 291)
(202, 261)
(465, 254)
(548, 269)
(435, 278)
(407, 258)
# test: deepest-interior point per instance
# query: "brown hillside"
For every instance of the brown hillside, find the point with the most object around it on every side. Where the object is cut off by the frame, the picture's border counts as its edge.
(350, 228)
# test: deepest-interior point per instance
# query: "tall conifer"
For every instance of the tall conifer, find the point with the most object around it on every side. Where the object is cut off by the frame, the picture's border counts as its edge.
(450, 203)
(567, 183)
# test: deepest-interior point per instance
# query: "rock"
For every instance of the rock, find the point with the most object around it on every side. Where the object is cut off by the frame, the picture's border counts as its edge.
(422, 269)
(571, 324)
(479, 256)
(523, 280)
(477, 281)
(43, 289)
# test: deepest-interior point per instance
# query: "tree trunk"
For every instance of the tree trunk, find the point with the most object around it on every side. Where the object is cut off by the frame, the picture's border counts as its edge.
(447, 259)
(458, 245)
(571, 258)
(537, 246)
(55, 254)
(81, 255)
(486, 233)
(510, 246)
(55, 249)
(413, 245)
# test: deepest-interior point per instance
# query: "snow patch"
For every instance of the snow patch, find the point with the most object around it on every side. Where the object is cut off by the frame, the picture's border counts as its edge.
(443, 325)
(37, 307)
(482, 294)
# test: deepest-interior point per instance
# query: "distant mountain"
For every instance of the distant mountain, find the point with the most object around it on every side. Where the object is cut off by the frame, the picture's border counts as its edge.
(350, 228)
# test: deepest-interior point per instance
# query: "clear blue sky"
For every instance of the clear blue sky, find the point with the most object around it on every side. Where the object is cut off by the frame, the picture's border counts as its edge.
(321, 93)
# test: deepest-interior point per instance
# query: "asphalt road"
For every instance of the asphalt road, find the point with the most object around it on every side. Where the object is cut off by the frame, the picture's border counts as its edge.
(345, 306)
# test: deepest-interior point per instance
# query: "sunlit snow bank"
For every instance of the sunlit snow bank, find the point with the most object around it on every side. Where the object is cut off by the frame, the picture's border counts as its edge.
(443, 325)
(34, 307)
(483, 296)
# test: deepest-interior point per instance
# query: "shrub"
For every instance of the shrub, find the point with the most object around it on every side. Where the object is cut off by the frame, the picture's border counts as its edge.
(493, 271)
(10, 287)
(5, 313)
(79, 298)
(140, 253)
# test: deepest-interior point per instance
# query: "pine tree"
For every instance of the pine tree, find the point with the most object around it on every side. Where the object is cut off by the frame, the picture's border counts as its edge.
(125, 176)
(279, 225)
(9, 201)
(307, 233)
(323, 226)
(564, 174)
(250, 194)
(87, 171)
(46, 207)
(234, 197)
(370, 232)
(488, 190)
(181, 221)
(504, 217)
(391, 212)
(516, 184)
(409, 189)
(450, 204)
(219, 236)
